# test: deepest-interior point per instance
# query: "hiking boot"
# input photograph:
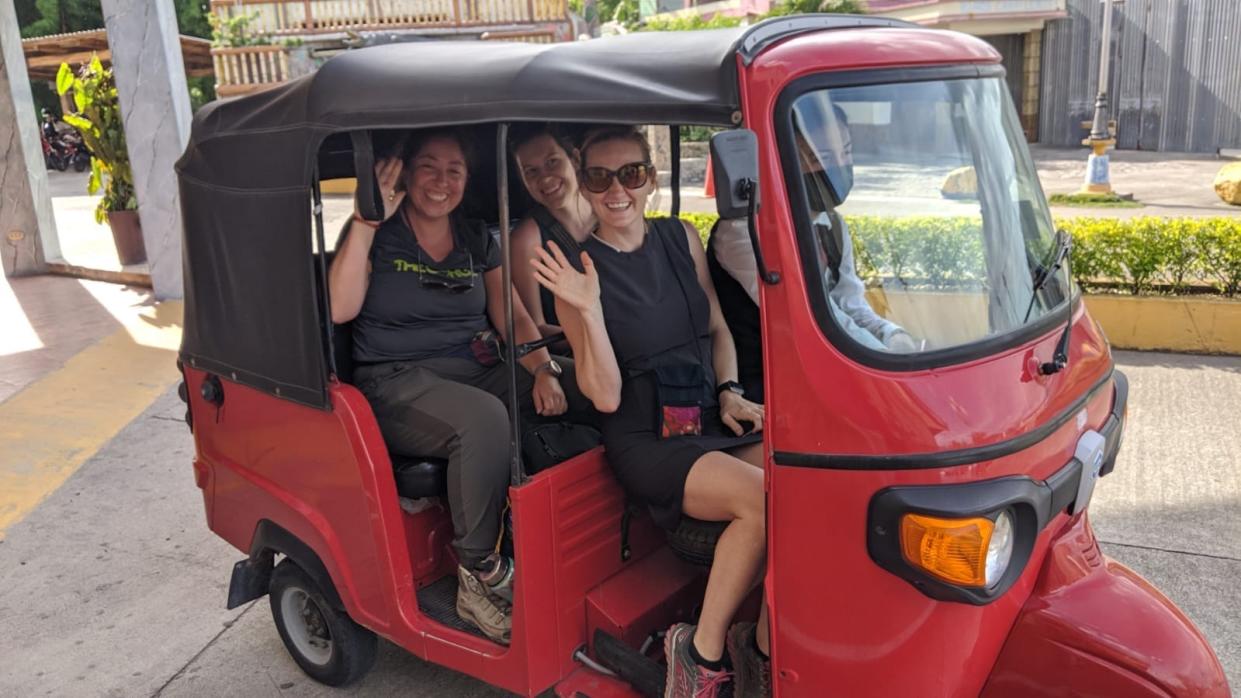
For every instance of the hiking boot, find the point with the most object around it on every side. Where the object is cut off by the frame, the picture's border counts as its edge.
(477, 607)
(496, 573)
(751, 671)
(687, 679)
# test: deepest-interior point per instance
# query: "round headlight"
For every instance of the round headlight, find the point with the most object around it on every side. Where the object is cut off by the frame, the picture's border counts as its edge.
(1000, 550)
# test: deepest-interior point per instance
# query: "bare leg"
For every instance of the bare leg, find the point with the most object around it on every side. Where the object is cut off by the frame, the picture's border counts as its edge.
(753, 454)
(721, 487)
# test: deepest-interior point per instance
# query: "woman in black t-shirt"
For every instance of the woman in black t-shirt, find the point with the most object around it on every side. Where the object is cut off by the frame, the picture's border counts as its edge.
(418, 287)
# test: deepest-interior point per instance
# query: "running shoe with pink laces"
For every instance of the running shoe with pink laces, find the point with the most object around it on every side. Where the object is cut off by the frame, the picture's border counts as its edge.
(685, 678)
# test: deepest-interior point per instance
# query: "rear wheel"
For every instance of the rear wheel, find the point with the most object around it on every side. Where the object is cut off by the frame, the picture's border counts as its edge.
(56, 161)
(324, 641)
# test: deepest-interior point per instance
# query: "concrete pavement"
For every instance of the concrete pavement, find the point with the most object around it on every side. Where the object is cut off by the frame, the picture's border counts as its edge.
(1170, 185)
(113, 585)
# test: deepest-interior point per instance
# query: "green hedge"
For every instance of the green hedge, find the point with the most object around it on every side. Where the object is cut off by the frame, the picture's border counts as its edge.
(1140, 255)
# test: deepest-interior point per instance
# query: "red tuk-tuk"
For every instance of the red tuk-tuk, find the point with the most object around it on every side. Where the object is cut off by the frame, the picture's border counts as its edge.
(927, 523)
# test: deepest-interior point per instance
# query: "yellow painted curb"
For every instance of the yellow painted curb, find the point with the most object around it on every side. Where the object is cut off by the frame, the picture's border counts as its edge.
(55, 424)
(1194, 325)
(338, 186)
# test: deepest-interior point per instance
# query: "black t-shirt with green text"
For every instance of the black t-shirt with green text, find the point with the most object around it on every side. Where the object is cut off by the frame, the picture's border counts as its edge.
(407, 314)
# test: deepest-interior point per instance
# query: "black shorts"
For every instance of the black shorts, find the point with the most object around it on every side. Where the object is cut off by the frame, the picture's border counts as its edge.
(652, 469)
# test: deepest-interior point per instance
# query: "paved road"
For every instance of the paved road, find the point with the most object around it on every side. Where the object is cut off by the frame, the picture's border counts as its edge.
(114, 586)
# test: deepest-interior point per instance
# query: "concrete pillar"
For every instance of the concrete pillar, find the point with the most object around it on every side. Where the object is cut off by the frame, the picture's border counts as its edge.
(155, 105)
(1031, 70)
(27, 226)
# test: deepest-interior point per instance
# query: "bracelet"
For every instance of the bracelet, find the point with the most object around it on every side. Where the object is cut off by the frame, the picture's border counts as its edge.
(373, 225)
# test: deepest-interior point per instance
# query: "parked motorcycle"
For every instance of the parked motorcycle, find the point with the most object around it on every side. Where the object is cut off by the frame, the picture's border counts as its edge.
(75, 151)
(54, 156)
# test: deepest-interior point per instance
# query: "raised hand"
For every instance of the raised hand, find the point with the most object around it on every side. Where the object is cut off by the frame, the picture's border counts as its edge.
(387, 177)
(554, 273)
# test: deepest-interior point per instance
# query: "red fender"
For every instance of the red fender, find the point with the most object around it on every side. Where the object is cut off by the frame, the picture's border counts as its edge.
(1093, 627)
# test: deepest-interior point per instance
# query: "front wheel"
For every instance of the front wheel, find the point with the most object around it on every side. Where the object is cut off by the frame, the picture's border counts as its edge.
(324, 641)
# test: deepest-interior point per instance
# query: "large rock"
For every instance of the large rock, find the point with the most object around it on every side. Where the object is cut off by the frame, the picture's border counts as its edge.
(961, 183)
(1228, 183)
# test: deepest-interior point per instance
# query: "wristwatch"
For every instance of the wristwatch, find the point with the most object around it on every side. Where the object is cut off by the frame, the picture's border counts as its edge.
(734, 386)
(551, 367)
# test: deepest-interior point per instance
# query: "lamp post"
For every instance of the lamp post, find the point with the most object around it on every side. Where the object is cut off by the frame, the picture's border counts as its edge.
(1101, 137)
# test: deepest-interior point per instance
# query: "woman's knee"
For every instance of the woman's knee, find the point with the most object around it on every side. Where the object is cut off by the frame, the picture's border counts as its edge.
(722, 487)
(484, 431)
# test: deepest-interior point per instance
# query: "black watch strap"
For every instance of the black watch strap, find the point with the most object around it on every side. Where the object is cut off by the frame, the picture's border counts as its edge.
(734, 386)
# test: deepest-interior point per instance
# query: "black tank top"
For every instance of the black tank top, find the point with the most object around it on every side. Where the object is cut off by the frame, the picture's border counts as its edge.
(655, 310)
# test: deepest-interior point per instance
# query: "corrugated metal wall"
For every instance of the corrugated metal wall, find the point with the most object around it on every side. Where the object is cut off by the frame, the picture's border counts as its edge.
(1012, 48)
(1176, 74)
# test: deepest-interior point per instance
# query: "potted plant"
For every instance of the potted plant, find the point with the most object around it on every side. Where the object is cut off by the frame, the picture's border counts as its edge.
(97, 117)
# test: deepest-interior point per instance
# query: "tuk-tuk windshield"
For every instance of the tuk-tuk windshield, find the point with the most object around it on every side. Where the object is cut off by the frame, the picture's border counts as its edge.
(929, 224)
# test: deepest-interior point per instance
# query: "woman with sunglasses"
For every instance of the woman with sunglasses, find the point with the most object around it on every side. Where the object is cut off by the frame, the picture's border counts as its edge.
(654, 354)
(547, 162)
(419, 287)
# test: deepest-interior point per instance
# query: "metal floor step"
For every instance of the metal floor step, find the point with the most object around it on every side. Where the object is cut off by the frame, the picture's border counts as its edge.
(438, 601)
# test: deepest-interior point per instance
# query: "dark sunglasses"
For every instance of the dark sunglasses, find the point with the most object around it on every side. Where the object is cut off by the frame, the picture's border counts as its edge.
(444, 283)
(632, 176)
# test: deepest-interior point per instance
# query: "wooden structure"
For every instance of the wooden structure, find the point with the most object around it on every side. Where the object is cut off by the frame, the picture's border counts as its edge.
(243, 69)
(44, 54)
(282, 18)
(328, 25)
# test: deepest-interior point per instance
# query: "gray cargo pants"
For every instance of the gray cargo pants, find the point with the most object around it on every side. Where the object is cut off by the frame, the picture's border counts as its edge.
(456, 409)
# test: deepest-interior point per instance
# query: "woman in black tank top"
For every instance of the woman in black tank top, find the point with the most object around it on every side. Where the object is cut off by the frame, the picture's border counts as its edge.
(547, 162)
(654, 354)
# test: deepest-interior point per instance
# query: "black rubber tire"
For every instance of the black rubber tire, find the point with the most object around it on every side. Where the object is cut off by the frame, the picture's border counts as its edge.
(694, 541)
(353, 647)
(81, 162)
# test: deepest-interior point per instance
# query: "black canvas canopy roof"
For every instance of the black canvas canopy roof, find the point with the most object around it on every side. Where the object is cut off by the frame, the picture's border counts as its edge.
(251, 313)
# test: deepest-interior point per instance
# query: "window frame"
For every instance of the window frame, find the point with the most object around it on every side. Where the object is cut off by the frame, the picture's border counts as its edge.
(784, 128)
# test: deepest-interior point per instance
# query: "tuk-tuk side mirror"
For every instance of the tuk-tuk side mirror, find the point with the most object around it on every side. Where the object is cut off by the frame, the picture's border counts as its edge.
(734, 162)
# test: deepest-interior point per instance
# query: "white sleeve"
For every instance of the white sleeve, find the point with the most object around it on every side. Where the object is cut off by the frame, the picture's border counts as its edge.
(850, 293)
(731, 242)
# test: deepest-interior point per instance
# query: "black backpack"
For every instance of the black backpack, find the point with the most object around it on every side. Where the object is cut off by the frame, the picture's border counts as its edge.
(545, 445)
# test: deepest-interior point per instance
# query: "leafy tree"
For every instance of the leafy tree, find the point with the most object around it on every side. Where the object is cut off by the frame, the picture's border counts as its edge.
(62, 16)
(192, 18)
(719, 20)
(27, 13)
(797, 7)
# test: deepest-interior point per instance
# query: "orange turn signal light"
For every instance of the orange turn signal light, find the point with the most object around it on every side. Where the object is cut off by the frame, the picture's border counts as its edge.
(954, 550)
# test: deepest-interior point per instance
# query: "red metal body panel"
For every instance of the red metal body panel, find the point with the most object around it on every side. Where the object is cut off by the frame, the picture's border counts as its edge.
(840, 620)
(326, 478)
(588, 682)
(1093, 628)
(649, 595)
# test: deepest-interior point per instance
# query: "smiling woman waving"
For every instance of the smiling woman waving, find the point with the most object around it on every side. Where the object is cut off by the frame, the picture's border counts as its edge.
(419, 287)
(654, 353)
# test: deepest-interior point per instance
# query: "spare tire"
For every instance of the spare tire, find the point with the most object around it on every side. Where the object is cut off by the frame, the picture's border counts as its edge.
(694, 541)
